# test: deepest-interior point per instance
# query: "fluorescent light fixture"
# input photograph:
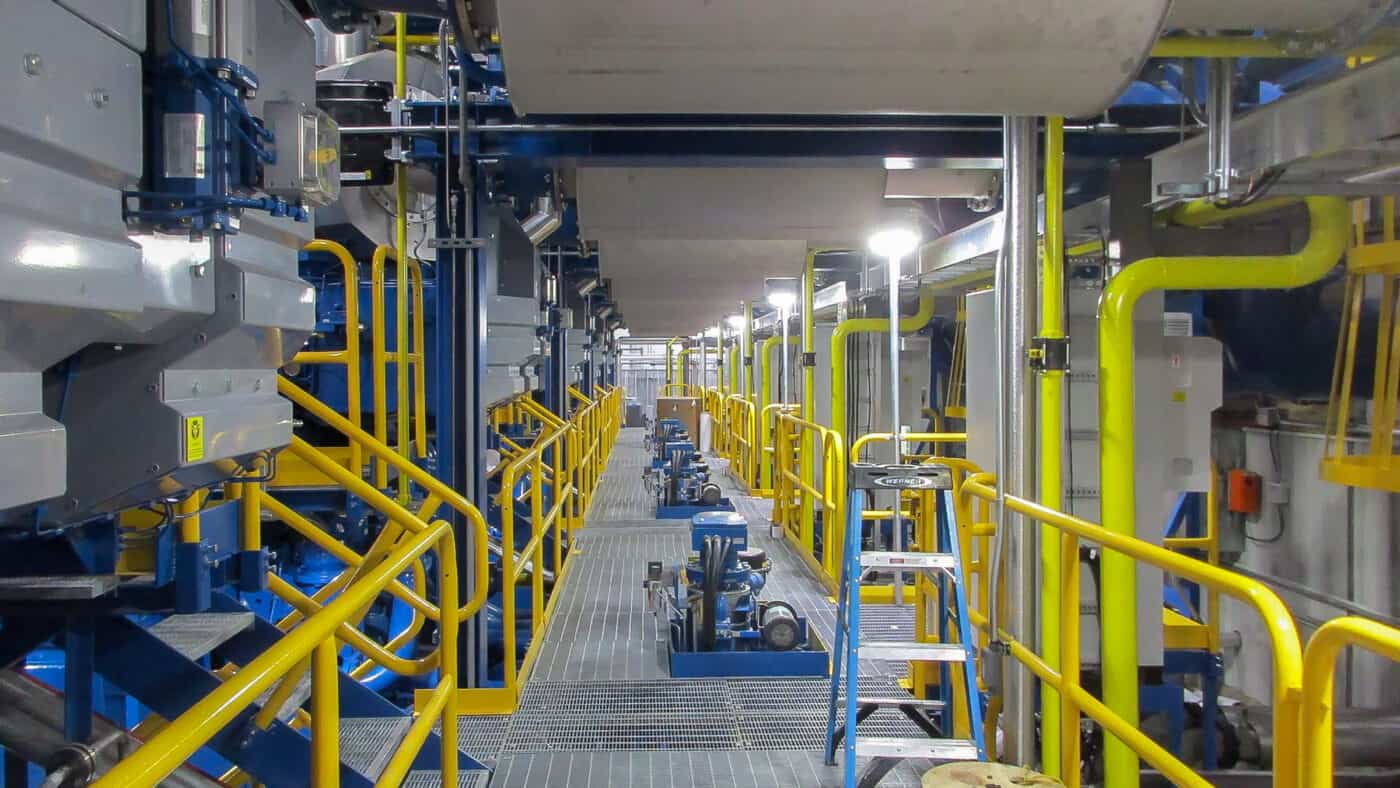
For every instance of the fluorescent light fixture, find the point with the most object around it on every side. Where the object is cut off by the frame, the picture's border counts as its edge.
(712, 331)
(899, 163)
(894, 243)
(735, 322)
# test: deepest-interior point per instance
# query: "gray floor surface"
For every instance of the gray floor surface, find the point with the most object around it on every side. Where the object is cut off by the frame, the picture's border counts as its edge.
(600, 709)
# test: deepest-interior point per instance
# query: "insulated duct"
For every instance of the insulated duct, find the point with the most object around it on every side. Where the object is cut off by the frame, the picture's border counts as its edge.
(985, 57)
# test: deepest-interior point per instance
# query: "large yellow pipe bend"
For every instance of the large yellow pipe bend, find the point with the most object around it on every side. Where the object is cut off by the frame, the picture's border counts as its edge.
(865, 325)
(1329, 223)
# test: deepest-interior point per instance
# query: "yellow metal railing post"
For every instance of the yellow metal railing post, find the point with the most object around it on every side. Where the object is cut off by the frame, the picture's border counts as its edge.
(1330, 221)
(187, 511)
(325, 715)
(1319, 688)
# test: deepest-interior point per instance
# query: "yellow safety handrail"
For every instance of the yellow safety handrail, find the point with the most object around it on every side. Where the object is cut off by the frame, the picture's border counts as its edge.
(1319, 687)
(742, 440)
(382, 358)
(164, 752)
(350, 356)
(1074, 699)
(543, 522)
(795, 484)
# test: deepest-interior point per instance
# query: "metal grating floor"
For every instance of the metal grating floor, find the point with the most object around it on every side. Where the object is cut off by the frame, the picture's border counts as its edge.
(600, 708)
(426, 779)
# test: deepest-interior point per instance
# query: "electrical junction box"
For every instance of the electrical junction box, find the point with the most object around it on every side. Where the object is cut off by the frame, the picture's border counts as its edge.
(307, 142)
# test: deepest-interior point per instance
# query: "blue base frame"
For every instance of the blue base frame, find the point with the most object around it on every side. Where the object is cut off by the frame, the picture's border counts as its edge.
(814, 661)
(687, 511)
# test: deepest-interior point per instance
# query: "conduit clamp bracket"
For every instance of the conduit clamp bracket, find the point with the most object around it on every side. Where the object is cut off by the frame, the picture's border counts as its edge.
(809, 359)
(1048, 354)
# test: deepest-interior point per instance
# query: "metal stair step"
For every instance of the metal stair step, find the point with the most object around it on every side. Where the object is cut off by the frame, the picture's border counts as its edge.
(476, 778)
(890, 700)
(367, 743)
(914, 651)
(195, 635)
(57, 587)
(294, 701)
(888, 560)
(934, 749)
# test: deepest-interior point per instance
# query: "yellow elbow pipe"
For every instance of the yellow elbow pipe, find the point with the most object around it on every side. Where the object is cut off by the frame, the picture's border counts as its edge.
(865, 325)
(1329, 223)
(765, 387)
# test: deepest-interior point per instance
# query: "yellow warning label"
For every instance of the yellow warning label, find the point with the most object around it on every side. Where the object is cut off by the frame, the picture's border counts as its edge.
(194, 438)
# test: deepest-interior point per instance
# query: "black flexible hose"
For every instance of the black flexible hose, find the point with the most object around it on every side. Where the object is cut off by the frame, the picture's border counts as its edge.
(709, 602)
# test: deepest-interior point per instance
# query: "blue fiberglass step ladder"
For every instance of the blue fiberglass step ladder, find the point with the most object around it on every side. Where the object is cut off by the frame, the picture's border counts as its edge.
(849, 650)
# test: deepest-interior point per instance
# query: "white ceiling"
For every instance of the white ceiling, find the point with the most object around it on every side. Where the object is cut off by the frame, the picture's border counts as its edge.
(820, 205)
(685, 245)
(681, 287)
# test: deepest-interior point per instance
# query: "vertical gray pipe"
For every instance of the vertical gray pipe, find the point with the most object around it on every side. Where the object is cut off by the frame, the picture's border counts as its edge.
(896, 523)
(783, 352)
(1017, 434)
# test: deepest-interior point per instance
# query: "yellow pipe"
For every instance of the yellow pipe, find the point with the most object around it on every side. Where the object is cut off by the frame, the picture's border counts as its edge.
(413, 41)
(1329, 220)
(1319, 673)
(865, 325)
(401, 244)
(672, 362)
(1052, 327)
(1241, 46)
(417, 735)
(350, 357)
(765, 401)
(167, 750)
(250, 517)
(325, 715)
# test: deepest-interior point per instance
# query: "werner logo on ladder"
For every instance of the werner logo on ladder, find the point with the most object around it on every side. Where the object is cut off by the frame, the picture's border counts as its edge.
(935, 483)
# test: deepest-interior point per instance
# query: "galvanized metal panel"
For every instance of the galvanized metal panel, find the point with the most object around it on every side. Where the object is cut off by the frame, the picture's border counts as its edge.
(982, 57)
(124, 20)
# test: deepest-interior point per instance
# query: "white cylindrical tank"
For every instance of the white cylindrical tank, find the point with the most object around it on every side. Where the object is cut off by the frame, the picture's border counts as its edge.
(1274, 15)
(976, 57)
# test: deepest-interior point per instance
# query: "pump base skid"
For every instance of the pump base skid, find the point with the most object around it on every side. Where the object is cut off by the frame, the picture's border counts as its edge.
(813, 660)
(687, 511)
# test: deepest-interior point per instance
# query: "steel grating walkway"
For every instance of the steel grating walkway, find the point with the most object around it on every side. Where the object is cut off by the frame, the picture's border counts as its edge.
(600, 709)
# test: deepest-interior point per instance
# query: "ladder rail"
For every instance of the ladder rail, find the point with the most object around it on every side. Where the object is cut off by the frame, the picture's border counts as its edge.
(947, 563)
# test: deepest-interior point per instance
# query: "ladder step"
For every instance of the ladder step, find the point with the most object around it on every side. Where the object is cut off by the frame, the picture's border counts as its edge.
(935, 749)
(196, 634)
(886, 560)
(914, 651)
(368, 743)
(892, 701)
